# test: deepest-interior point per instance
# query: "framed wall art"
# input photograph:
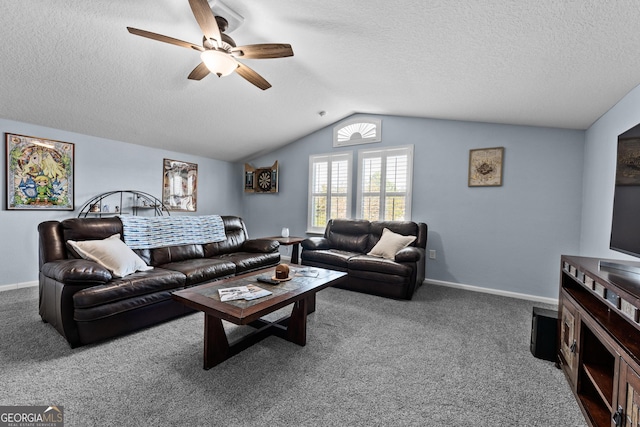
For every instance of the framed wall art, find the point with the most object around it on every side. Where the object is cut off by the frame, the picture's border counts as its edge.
(180, 185)
(627, 171)
(39, 173)
(485, 167)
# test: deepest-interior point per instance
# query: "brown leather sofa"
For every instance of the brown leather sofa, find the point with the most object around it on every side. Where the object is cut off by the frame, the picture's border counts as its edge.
(346, 243)
(86, 303)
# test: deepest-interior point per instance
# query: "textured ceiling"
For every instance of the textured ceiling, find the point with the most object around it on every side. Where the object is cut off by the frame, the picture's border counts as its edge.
(72, 65)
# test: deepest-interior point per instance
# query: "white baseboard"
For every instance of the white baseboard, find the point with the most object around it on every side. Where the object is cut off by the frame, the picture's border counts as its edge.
(552, 301)
(18, 286)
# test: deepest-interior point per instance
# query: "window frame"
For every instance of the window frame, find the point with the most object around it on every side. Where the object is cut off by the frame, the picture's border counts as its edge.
(385, 153)
(330, 157)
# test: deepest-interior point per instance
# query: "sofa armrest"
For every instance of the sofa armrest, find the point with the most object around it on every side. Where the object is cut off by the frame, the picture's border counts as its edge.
(260, 245)
(76, 271)
(409, 254)
(59, 281)
(315, 243)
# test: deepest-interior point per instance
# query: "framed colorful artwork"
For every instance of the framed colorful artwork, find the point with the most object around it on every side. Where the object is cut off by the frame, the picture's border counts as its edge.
(180, 185)
(39, 173)
(485, 167)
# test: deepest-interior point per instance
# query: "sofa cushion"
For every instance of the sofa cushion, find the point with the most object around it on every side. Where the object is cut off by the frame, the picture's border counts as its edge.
(90, 228)
(348, 235)
(390, 243)
(111, 253)
(160, 256)
(333, 257)
(236, 233)
(368, 263)
(200, 270)
(133, 285)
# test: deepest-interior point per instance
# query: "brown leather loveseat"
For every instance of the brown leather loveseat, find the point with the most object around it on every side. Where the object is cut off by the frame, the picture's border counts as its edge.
(347, 244)
(86, 302)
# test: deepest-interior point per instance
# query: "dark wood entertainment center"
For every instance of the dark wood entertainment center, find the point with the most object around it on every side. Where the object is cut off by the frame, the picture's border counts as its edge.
(599, 339)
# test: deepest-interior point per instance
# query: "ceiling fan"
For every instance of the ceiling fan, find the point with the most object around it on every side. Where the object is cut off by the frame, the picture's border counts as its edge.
(219, 52)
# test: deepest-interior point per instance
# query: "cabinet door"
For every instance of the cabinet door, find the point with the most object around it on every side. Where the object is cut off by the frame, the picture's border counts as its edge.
(629, 397)
(568, 337)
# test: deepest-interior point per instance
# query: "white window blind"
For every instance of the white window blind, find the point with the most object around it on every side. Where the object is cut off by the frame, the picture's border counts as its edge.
(384, 184)
(329, 189)
(361, 130)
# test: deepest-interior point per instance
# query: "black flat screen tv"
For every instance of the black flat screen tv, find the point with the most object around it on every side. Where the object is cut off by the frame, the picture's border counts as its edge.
(625, 225)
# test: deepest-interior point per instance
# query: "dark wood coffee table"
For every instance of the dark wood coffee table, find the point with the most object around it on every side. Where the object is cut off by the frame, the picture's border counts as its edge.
(299, 291)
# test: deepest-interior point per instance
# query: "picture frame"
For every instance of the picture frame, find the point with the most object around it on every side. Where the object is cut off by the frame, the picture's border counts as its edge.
(627, 172)
(485, 167)
(40, 173)
(180, 185)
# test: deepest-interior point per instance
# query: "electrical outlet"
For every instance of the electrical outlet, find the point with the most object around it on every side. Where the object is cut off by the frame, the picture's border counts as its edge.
(432, 254)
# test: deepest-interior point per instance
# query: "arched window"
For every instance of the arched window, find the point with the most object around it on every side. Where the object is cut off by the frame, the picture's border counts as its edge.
(360, 130)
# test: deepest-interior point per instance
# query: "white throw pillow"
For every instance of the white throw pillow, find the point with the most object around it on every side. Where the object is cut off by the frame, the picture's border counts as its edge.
(111, 253)
(390, 243)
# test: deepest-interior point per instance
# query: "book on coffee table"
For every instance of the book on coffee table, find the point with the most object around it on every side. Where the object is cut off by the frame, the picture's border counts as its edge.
(248, 292)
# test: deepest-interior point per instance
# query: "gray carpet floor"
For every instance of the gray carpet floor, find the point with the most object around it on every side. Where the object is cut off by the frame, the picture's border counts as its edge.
(449, 357)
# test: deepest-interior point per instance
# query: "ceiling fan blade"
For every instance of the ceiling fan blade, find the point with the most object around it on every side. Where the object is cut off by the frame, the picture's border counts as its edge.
(263, 51)
(206, 19)
(165, 39)
(252, 77)
(200, 72)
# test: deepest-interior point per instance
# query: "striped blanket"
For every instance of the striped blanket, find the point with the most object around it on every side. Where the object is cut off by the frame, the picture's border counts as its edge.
(141, 232)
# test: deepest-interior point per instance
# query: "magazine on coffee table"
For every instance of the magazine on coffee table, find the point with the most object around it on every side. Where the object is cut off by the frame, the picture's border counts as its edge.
(248, 293)
(307, 272)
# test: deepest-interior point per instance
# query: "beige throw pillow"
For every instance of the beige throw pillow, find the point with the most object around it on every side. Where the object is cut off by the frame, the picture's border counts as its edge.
(111, 253)
(390, 243)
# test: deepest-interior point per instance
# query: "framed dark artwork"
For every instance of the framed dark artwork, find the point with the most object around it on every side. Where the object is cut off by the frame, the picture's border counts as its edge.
(261, 180)
(485, 167)
(39, 173)
(180, 185)
(628, 163)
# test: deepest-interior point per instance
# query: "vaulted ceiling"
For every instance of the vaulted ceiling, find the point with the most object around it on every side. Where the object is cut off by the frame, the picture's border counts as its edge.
(72, 65)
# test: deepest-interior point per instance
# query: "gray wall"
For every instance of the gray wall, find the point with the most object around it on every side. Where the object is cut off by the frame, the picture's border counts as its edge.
(506, 238)
(601, 145)
(103, 165)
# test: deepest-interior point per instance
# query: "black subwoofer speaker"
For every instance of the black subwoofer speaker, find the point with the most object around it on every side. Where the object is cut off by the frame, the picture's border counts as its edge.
(544, 330)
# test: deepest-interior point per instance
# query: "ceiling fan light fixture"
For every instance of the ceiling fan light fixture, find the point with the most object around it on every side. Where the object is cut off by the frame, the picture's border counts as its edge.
(219, 63)
(218, 50)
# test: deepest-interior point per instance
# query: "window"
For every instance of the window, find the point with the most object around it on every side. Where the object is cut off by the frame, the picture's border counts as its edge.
(329, 189)
(361, 130)
(384, 184)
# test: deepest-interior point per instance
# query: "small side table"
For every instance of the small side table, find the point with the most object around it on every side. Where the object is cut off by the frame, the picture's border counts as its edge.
(286, 241)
